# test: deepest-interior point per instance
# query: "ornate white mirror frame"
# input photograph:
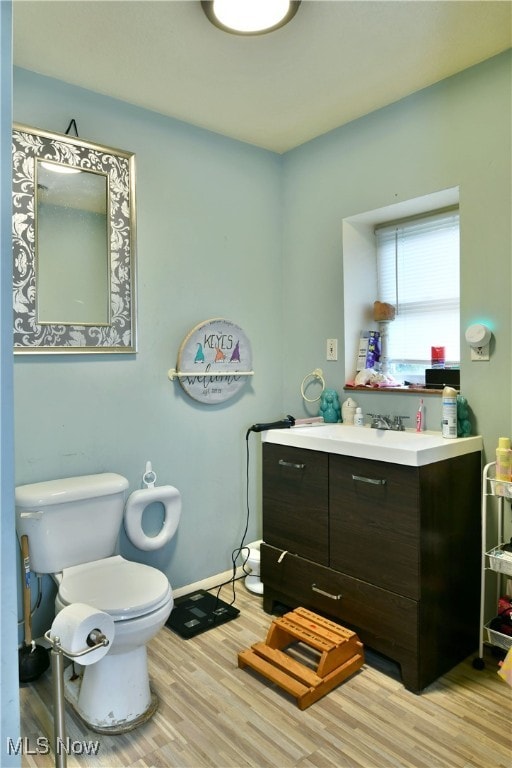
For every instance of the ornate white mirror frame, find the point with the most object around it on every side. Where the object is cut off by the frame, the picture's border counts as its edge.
(115, 329)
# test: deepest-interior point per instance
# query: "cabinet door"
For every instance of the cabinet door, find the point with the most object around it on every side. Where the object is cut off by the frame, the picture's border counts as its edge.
(375, 523)
(295, 501)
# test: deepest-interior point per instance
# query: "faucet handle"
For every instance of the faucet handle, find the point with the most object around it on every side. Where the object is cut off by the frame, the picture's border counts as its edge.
(398, 421)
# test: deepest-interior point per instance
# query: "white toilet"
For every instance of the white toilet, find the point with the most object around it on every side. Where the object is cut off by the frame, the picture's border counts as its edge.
(73, 527)
(253, 581)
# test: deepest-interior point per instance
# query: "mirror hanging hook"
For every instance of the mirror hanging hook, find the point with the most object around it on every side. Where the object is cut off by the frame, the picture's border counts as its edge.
(72, 124)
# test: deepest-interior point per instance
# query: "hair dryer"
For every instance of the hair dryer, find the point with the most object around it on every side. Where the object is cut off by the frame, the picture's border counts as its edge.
(285, 423)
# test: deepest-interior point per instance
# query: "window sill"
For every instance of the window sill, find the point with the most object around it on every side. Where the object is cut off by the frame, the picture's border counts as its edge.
(402, 390)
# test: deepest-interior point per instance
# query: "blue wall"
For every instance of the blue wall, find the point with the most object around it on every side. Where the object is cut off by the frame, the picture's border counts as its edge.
(225, 229)
(9, 578)
(455, 133)
(208, 245)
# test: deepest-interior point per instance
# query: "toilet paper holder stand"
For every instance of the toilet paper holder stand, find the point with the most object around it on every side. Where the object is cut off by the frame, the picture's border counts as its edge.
(94, 640)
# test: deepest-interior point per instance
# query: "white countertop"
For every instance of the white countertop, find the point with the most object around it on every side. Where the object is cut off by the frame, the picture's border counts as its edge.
(408, 447)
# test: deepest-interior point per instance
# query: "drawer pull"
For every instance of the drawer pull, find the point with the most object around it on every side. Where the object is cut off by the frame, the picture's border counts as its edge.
(371, 480)
(325, 594)
(290, 464)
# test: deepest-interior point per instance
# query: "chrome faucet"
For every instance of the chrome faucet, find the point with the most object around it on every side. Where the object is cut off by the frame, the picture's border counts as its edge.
(380, 422)
(387, 422)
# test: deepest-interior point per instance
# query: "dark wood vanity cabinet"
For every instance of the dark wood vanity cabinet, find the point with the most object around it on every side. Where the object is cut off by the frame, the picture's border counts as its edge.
(391, 551)
(296, 501)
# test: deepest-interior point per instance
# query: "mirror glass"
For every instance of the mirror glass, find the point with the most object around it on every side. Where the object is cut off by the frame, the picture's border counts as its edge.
(73, 245)
(72, 256)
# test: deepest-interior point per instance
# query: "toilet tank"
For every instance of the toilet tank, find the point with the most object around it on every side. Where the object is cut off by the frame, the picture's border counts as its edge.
(71, 521)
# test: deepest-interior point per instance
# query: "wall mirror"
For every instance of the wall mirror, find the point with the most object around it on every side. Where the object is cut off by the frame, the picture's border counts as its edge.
(73, 245)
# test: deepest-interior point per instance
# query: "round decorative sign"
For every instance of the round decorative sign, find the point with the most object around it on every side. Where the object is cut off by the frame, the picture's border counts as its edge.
(214, 361)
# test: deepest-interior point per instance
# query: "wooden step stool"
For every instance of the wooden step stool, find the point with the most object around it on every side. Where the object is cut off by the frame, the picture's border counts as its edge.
(341, 654)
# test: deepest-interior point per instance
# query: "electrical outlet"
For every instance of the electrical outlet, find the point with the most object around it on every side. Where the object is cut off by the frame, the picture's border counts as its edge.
(332, 349)
(480, 353)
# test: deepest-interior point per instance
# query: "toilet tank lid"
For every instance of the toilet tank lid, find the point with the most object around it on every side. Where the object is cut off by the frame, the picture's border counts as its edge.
(69, 489)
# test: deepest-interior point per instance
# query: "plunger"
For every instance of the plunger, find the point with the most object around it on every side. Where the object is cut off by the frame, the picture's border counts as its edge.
(33, 659)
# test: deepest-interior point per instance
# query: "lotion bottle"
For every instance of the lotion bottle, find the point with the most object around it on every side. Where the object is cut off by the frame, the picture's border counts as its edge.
(449, 413)
(504, 460)
(420, 417)
(348, 411)
(358, 417)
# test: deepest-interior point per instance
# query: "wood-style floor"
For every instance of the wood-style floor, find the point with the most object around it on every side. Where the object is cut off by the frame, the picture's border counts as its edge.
(214, 715)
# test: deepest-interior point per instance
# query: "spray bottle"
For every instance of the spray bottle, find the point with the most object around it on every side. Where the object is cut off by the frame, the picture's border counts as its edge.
(449, 413)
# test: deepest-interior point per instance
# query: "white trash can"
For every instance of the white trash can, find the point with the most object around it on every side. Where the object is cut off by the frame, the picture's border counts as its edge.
(252, 581)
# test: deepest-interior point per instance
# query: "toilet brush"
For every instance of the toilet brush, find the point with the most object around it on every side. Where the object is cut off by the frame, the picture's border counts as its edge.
(33, 659)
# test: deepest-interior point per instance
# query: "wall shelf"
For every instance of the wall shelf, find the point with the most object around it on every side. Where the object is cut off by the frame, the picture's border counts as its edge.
(401, 390)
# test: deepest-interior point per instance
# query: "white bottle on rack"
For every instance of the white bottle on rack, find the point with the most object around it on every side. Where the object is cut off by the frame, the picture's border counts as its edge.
(504, 460)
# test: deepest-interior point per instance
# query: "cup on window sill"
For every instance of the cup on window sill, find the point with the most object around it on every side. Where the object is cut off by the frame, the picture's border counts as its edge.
(437, 357)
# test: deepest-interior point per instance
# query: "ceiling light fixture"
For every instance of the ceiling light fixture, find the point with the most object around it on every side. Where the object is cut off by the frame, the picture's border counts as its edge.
(250, 17)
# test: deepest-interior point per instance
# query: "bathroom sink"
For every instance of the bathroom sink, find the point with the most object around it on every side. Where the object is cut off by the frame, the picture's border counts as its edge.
(407, 447)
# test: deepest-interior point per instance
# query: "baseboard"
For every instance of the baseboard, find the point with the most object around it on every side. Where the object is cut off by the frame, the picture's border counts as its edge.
(210, 583)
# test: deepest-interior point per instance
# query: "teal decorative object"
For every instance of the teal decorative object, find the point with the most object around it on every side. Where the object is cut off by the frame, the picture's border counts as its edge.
(463, 417)
(330, 406)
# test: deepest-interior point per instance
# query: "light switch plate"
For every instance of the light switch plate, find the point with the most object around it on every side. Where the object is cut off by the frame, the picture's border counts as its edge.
(332, 349)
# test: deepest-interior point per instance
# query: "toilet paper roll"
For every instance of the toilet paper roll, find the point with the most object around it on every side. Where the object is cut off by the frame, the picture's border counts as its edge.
(74, 624)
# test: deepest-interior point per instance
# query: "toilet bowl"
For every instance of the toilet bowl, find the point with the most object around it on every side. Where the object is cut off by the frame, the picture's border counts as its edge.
(73, 527)
(253, 581)
(113, 695)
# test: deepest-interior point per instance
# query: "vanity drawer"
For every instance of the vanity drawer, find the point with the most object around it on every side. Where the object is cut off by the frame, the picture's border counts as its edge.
(295, 501)
(375, 523)
(384, 620)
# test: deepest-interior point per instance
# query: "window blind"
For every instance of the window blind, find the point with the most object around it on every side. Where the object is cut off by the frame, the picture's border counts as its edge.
(418, 273)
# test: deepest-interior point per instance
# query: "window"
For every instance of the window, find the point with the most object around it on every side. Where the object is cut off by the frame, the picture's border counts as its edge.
(418, 273)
